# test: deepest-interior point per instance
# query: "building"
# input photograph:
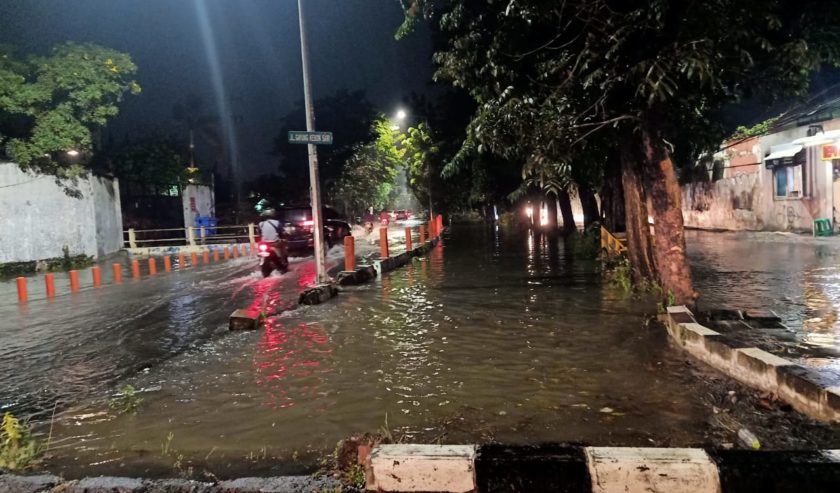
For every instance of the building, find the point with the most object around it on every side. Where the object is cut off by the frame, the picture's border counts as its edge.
(781, 181)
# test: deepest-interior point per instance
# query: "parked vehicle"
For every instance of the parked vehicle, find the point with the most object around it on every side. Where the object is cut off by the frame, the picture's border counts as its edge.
(299, 227)
(273, 255)
(402, 215)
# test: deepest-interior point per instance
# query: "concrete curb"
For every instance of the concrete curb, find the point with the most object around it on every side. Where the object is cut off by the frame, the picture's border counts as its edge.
(10, 483)
(546, 468)
(388, 264)
(799, 386)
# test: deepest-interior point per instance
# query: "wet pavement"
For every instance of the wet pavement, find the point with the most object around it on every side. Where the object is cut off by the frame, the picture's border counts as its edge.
(493, 336)
(758, 277)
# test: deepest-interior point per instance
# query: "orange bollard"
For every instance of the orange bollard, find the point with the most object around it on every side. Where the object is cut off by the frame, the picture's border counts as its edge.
(74, 280)
(96, 273)
(135, 269)
(117, 273)
(23, 295)
(215, 255)
(152, 266)
(349, 253)
(407, 239)
(182, 262)
(205, 257)
(422, 233)
(383, 242)
(167, 264)
(431, 229)
(227, 253)
(49, 281)
(235, 251)
(193, 259)
(439, 225)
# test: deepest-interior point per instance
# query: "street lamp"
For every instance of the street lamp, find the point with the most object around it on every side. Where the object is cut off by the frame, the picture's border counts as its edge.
(401, 114)
(72, 153)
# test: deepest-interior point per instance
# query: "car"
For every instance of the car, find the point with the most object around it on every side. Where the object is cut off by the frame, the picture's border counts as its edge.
(402, 215)
(298, 226)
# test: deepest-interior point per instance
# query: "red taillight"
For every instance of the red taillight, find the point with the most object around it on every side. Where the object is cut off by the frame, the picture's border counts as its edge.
(263, 247)
(307, 223)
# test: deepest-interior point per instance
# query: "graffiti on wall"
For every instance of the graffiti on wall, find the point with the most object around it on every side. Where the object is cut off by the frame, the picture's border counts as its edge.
(787, 216)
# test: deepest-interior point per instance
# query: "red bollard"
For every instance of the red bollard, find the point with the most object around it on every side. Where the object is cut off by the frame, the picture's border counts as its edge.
(74, 281)
(49, 282)
(439, 225)
(167, 264)
(205, 257)
(227, 253)
(349, 253)
(422, 233)
(431, 229)
(135, 269)
(193, 259)
(117, 273)
(152, 266)
(182, 262)
(215, 255)
(23, 295)
(383, 242)
(407, 239)
(96, 273)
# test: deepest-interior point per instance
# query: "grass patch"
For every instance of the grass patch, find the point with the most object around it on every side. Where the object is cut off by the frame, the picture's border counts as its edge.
(19, 450)
(127, 402)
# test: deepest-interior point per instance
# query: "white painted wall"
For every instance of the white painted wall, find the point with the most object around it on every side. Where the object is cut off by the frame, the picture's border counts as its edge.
(747, 201)
(38, 219)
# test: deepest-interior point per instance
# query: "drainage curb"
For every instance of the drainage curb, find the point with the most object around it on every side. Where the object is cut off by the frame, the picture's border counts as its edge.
(576, 469)
(10, 483)
(797, 385)
(388, 264)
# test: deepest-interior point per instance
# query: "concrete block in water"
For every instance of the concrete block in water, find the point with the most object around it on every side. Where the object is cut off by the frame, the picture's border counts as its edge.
(243, 320)
(318, 294)
(107, 484)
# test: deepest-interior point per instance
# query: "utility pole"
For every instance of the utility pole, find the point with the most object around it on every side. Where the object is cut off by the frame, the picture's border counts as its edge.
(314, 183)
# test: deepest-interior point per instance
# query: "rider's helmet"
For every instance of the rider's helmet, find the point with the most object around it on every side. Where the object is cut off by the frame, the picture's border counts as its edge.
(268, 213)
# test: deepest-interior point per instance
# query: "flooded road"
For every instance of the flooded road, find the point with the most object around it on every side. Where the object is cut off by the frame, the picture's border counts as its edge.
(493, 336)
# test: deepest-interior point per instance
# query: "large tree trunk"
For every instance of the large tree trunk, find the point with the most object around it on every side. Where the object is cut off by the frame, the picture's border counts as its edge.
(551, 206)
(565, 202)
(669, 246)
(639, 247)
(612, 196)
(589, 204)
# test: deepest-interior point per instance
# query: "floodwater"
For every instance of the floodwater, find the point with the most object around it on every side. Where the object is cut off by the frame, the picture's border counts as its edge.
(493, 336)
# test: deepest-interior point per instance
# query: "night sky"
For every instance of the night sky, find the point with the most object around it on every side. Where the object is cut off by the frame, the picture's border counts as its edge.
(352, 47)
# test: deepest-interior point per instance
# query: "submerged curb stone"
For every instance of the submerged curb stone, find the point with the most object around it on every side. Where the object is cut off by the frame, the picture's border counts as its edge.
(805, 390)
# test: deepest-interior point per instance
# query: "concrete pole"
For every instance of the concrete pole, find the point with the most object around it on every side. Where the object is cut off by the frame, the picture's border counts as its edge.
(314, 183)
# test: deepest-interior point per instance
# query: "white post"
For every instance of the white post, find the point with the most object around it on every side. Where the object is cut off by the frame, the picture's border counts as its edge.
(314, 184)
(132, 238)
(191, 235)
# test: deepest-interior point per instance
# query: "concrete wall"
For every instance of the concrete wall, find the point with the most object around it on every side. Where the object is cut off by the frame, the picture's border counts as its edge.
(745, 199)
(198, 200)
(38, 219)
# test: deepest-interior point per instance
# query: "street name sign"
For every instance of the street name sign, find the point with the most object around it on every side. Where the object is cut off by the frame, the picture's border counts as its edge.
(317, 138)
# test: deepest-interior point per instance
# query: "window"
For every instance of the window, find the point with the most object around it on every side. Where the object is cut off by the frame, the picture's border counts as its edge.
(788, 181)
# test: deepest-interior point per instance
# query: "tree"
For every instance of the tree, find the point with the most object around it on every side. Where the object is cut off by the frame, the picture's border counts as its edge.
(349, 115)
(155, 161)
(367, 178)
(555, 81)
(51, 104)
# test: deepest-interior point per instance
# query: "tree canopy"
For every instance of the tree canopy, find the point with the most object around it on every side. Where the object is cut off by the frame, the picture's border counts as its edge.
(51, 104)
(561, 86)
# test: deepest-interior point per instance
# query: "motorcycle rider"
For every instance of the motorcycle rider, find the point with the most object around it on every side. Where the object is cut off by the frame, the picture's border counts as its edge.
(368, 220)
(271, 231)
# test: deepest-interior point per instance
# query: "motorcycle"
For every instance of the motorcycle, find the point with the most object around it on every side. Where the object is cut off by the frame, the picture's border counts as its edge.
(273, 255)
(368, 227)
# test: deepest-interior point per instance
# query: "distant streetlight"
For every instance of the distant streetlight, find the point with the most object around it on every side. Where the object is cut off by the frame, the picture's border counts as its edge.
(401, 115)
(72, 153)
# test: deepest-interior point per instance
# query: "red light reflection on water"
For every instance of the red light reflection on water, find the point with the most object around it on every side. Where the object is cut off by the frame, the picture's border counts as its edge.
(291, 362)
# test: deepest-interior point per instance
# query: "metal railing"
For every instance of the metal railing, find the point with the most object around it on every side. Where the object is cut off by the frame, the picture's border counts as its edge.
(610, 243)
(191, 236)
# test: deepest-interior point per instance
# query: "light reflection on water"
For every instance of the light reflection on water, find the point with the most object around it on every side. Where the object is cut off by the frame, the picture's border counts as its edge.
(493, 336)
